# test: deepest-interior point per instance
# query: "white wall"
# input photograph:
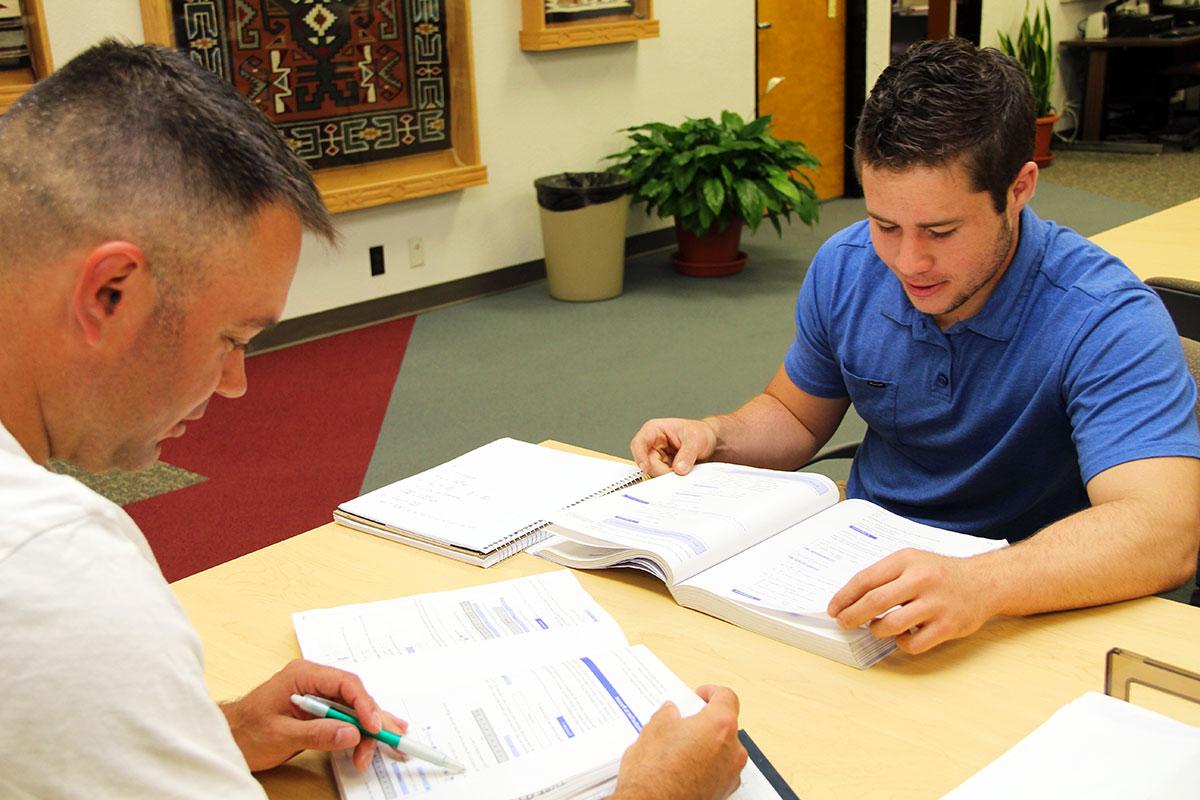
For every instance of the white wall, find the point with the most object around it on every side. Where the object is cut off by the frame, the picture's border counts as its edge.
(539, 113)
(1065, 16)
(879, 39)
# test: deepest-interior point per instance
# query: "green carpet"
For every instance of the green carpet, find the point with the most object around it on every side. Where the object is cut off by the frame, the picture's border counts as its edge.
(524, 365)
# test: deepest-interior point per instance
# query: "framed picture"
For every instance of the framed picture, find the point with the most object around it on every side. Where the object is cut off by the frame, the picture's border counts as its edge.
(560, 24)
(377, 96)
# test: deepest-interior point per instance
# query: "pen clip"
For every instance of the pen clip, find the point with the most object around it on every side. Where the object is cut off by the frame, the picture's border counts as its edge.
(333, 704)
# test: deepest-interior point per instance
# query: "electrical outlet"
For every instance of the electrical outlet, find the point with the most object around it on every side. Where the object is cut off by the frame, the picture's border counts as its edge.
(376, 260)
(416, 252)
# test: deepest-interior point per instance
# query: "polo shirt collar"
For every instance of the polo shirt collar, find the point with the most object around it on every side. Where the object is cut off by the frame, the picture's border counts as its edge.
(1000, 314)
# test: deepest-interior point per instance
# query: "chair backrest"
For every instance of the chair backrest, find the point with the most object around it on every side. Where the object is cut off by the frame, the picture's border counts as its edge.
(1182, 299)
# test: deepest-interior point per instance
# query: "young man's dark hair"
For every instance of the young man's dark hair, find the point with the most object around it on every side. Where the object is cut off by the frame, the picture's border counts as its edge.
(944, 100)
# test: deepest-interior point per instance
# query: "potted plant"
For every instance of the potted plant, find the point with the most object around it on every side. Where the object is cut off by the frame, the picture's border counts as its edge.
(1034, 51)
(713, 177)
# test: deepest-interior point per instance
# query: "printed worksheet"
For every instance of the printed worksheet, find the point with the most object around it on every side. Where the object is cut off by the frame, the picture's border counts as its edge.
(552, 731)
(548, 613)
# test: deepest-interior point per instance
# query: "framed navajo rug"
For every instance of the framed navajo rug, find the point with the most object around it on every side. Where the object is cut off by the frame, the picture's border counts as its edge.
(377, 96)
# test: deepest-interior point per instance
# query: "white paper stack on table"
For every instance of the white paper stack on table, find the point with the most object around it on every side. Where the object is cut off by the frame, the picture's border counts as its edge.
(763, 549)
(1098, 747)
(529, 683)
(485, 505)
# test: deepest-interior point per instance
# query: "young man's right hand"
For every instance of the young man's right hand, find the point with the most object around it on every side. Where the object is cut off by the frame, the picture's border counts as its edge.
(672, 445)
(686, 758)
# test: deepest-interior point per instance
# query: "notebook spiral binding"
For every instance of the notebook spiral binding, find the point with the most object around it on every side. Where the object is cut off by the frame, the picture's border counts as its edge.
(536, 532)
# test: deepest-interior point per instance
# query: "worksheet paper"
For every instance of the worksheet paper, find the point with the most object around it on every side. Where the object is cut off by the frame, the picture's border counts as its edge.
(552, 731)
(799, 570)
(1095, 747)
(549, 614)
(528, 682)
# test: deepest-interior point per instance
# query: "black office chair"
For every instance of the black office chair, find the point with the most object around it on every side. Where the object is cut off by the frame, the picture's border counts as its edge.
(1182, 299)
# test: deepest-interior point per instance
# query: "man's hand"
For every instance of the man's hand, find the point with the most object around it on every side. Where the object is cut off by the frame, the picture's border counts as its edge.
(269, 729)
(666, 445)
(686, 758)
(939, 598)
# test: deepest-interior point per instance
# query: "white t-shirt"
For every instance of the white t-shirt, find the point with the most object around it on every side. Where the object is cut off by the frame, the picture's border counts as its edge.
(102, 677)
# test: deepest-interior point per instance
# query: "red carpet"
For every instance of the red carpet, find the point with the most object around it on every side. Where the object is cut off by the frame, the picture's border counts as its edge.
(279, 459)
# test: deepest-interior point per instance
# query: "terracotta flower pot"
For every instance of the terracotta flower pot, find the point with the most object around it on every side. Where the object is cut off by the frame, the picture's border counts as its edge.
(709, 256)
(1042, 154)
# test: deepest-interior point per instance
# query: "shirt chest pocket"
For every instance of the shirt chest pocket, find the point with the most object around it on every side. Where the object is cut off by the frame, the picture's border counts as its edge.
(874, 400)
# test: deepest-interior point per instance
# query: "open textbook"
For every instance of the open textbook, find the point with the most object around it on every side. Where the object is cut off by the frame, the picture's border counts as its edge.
(763, 549)
(529, 683)
(487, 504)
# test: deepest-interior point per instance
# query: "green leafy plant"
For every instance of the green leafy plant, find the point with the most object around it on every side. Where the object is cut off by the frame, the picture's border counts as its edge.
(1034, 51)
(710, 173)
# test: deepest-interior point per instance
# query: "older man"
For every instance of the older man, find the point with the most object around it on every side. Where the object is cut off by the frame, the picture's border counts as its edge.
(150, 224)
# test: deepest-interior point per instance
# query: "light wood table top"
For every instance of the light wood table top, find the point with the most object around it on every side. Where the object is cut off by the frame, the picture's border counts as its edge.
(909, 727)
(1161, 245)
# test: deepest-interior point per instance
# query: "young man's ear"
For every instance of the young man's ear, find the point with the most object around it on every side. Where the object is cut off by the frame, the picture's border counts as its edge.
(113, 290)
(1022, 189)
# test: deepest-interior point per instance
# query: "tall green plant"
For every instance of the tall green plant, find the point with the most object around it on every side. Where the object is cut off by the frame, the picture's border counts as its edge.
(1035, 52)
(710, 173)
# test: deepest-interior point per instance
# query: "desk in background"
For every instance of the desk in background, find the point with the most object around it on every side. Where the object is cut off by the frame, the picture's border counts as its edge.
(1181, 50)
(1161, 245)
(909, 727)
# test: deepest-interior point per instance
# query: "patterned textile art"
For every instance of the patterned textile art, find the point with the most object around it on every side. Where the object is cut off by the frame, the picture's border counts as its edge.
(346, 82)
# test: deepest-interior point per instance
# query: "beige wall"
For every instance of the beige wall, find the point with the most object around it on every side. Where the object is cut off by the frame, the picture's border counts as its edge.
(539, 113)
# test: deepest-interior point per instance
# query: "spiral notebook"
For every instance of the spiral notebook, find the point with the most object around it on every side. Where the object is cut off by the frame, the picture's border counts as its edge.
(487, 504)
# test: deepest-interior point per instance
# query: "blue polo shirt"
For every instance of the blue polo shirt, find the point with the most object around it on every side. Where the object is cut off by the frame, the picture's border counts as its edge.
(994, 426)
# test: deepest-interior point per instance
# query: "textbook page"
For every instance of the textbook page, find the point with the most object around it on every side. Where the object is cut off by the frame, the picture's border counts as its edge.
(1096, 747)
(693, 521)
(554, 731)
(549, 614)
(799, 570)
(492, 492)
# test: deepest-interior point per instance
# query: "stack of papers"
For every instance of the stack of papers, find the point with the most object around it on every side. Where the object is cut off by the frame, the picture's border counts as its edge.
(1095, 747)
(529, 683)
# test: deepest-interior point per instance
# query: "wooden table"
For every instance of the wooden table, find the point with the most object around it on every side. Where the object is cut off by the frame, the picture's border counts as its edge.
(1162, 245)
(1182, 49)
(909, 727)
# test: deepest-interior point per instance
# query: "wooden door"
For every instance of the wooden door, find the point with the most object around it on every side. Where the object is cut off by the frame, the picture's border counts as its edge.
(802, 56)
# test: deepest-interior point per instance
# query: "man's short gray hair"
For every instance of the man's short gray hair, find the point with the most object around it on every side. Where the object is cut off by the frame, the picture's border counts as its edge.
(138, 143)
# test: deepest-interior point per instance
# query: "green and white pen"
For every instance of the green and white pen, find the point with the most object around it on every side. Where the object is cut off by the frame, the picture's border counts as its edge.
(320, 707)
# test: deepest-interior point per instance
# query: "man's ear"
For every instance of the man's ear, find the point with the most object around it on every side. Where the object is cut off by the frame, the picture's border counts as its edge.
(113, 290)
(1022, 189)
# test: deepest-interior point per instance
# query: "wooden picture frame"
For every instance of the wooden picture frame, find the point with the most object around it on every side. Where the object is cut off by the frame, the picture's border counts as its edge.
(15, 80)
(537, 33)
(406, 177)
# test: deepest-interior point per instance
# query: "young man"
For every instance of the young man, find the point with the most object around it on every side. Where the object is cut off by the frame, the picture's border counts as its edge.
(150, 223)
(1017, 382)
